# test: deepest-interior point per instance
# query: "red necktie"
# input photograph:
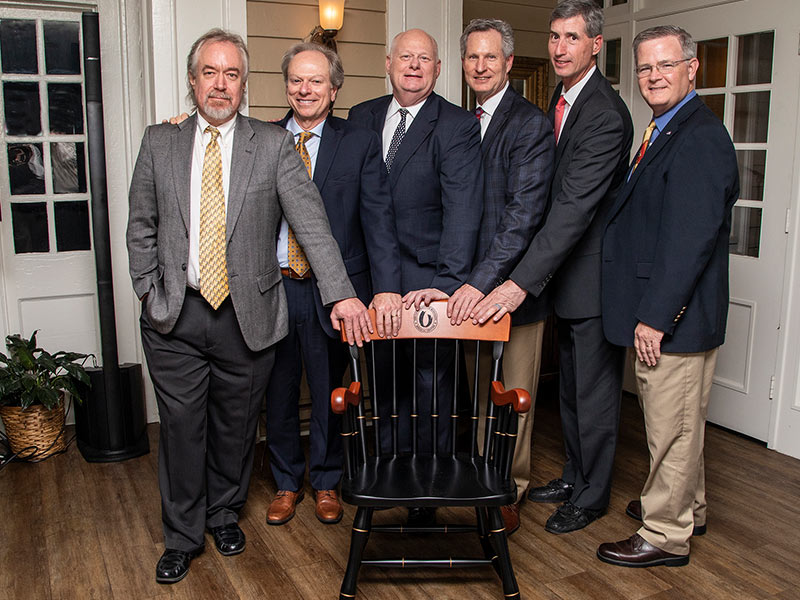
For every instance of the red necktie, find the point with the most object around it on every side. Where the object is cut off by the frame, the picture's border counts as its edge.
(479, 113)
(559, 115)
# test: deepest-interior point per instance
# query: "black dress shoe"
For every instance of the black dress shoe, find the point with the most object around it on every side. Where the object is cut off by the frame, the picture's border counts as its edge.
(556, 490)
(174, 565)
(637, 552)
(229, 539)
(634, 511)
(569, 517)
(421, 516)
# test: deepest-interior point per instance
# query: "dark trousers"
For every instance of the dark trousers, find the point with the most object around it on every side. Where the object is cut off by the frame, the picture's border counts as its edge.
(590, 390)
(209, 386)
(405, 377)
(325, 360)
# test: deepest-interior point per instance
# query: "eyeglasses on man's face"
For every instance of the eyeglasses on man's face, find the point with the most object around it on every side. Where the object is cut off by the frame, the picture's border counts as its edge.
(665, 67)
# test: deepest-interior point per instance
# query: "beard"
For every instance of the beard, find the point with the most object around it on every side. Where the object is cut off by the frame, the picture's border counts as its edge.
(219, 113)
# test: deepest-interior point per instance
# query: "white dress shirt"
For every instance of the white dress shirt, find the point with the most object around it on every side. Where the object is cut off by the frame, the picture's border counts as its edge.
(312, 145)
(489, 108)
(201, 140)
(393, 120)
(571, 95)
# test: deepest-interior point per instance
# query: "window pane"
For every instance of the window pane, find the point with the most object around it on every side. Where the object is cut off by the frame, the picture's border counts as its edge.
(716, 102)
(752, 165)
(745, 231)
(713, 57)
(29, 222)
(751, 117)
(613, 60)
(62, 54)
(618, 2)
(18, 46)
(66, 107)
(755, 58)
(72, 225)
(25, 169)
(21, 100)
(69, 167)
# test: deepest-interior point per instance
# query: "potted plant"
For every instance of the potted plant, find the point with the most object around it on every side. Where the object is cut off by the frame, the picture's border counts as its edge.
(32, 387)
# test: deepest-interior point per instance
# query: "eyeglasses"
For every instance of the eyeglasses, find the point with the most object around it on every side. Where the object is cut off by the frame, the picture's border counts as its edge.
(665, 68)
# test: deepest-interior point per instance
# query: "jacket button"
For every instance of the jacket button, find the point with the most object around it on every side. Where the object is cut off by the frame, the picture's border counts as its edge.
(183, 267)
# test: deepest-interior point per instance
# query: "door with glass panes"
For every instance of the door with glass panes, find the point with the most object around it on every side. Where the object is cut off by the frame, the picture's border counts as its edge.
(749, 77)
(48, 276)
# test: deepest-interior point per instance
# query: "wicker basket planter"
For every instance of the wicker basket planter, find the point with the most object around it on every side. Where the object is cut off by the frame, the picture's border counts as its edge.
(35, 432)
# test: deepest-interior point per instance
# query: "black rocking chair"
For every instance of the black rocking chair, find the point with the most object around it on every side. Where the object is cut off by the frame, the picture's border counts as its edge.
(459, 477)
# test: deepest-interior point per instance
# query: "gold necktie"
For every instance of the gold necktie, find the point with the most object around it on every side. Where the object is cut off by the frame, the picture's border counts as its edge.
(213, 268)
(297, 258)
(645, 143)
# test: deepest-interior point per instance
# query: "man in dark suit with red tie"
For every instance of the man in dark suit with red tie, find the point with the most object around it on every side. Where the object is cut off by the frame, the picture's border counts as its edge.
(594, 134)
(665, 290)
(517, 147)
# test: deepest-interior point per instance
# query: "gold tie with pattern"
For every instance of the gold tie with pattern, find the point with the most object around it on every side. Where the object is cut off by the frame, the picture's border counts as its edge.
(645, 143)
(297, 258)
(213, 267)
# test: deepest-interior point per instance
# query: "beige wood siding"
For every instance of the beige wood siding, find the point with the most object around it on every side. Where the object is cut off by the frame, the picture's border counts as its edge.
(273, 26)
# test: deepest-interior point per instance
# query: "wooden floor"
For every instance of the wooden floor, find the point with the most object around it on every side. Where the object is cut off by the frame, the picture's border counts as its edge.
(69, 529)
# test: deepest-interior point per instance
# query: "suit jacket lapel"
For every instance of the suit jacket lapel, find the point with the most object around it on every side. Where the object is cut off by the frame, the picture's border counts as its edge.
(328, 144)
(182, 152)
(499, 118)
(420, 129)
(663, 139)
(242, 160)
(574, 111)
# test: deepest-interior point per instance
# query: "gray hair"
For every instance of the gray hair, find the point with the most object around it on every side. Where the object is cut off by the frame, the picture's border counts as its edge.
(688, 45)
(501, 27)
(430, 37)
(335, 68)
(591, 13)
(211, 37)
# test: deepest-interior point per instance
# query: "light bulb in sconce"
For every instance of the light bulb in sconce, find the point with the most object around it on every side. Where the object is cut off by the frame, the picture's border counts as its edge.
(331, 14)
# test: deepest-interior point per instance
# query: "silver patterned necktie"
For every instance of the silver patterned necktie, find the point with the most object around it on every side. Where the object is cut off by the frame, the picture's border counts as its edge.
(399, 133)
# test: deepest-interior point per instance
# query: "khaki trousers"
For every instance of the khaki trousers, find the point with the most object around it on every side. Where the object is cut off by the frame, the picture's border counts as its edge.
(674, 399)
(522, 358)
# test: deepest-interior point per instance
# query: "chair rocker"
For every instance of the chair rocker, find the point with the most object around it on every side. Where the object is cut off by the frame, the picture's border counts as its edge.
(426, 476)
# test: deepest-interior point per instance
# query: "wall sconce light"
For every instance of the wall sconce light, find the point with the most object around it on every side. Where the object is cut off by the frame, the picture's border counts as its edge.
(331, 17)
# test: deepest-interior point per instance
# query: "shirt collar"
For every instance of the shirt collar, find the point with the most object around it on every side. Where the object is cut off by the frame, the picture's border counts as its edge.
(571, 95)
(394, 106)
(225, 130)
(491, 104)
(295, 129)
(663, 120)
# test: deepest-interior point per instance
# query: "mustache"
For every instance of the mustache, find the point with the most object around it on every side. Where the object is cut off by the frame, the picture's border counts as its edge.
(220, 95)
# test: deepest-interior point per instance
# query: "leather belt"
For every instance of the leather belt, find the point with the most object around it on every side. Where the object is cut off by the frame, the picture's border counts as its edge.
(292, 275)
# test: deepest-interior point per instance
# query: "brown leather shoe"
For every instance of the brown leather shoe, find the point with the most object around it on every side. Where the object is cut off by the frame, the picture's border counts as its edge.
(510, 514)
(283, 506)
(329, 510)
(634, 511)
(637, 552)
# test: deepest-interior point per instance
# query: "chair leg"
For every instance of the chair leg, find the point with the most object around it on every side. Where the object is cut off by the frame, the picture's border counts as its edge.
(483, 536)
(499, 541)
(362, 525)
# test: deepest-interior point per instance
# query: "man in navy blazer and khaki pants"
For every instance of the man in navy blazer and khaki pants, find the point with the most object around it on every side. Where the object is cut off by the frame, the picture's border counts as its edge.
(206, 198)
(435, 179)
(665, 290)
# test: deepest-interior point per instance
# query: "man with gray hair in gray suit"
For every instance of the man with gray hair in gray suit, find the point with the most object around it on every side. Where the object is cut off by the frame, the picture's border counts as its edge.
(206, 199)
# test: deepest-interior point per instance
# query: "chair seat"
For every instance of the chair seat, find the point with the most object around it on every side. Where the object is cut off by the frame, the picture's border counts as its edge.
(427, 481)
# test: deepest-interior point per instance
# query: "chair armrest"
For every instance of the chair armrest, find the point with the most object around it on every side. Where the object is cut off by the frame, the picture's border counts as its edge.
(342, 397)
(519, 399)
